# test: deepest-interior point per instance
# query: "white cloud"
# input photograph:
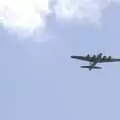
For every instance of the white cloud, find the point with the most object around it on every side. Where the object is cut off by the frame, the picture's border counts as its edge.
(89, 10)
(30, 14)
(24, 14)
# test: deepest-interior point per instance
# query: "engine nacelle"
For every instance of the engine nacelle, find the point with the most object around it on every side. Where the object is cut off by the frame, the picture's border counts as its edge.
(109, 58)
(99, 55)
(104, 57)
(94, 56)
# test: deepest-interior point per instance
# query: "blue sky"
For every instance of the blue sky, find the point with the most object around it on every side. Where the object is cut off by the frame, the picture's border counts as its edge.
(38, 80)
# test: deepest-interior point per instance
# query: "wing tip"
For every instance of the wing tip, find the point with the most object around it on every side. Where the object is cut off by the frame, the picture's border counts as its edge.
(73, 56)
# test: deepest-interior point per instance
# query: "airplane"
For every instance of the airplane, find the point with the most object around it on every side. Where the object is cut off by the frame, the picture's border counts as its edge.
(93, 60)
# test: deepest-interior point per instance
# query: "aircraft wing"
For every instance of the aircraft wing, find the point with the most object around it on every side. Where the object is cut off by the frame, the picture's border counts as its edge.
(110, 60)
(81, 58)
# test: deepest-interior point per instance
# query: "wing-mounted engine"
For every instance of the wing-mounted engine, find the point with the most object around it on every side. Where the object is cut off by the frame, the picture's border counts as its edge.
(104, 57)
(94, 56)
(99, 55)
(109, 58)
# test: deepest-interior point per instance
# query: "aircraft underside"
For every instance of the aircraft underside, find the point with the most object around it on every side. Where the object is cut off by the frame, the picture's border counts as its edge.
(95, 59)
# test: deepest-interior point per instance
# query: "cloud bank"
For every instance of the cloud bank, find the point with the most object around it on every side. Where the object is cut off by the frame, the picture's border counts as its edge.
(31, 14)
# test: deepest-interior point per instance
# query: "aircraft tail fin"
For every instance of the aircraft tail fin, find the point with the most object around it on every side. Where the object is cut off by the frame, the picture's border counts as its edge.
(89, 67)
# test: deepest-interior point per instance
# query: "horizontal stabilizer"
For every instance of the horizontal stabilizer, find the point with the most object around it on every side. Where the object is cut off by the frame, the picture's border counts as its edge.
(95, 67)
